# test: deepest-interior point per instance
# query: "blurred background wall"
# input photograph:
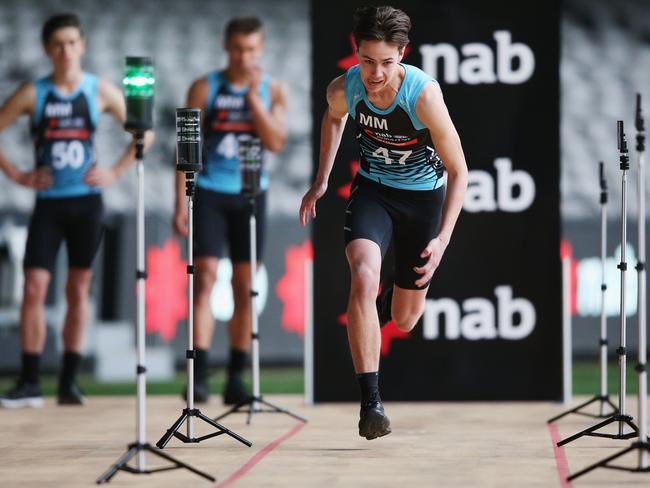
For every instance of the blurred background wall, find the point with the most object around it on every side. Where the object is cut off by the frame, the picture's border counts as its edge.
(605, 61)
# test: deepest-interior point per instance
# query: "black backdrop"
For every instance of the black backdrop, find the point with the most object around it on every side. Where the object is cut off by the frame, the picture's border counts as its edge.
(496, 246)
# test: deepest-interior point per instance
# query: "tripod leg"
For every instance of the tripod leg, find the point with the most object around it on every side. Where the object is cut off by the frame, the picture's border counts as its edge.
(602, 463)
(178, 463)
(282, 410)
(224, 429)
(231, 410)
(170, 432)
(110, 472)
(586, 432)
(249, 416)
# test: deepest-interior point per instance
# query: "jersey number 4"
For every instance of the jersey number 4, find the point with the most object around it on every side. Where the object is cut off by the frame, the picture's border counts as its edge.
(382, 152)
(67, 154)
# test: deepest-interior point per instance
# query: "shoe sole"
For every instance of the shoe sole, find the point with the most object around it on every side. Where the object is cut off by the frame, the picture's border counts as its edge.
(375, 427)
(31, 402)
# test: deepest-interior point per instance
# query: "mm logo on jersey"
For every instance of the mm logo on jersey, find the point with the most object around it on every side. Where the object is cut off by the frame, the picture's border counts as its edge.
(374, 122)
(59, 109)
(229, 102)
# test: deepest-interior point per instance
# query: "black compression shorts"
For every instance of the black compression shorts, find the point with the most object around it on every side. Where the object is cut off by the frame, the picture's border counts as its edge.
(223, 218)
(408, 218)
(77, 220)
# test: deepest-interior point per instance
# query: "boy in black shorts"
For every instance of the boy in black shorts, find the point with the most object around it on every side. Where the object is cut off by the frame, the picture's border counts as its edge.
(64, 108)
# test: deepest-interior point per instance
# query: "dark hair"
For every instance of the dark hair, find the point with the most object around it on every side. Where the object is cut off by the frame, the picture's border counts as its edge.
(243, 25)
(384, 23)
(57, 22)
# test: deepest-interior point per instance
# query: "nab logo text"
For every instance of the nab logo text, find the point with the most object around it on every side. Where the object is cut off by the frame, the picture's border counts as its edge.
(374, 122)
(512, 318)
(58, 109)
(515, 62)
(515, 189)
(226, 102)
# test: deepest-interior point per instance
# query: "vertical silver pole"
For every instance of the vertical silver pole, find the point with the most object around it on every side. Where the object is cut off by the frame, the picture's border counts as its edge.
(622, 356)
(643, 386)
(190, 310)
(567, 383)
(140, 321)
(309, 334)
(254, 323)
(603, 292)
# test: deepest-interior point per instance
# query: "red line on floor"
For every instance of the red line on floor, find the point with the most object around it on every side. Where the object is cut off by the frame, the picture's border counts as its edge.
(258, 457)
(560, 457)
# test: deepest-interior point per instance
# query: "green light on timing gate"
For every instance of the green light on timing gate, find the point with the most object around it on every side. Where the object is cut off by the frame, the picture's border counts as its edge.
(138, 84)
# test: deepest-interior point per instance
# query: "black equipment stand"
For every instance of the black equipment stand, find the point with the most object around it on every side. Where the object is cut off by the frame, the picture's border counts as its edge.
(602, 399)
(250, 156)
(188, 152)
(140, 447)
(642, 446)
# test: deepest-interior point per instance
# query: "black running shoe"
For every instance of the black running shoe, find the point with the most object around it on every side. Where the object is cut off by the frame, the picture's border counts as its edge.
(23, 395)
(373, 421)
(201, 392)
(235, 392)
(70, 395)
(384, 302)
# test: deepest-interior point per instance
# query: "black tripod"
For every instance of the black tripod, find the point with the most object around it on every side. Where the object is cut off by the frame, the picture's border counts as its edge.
(602, 399)
(188, 152)
(620, 416)
(250, 156)
(141, 446)
(642, 446)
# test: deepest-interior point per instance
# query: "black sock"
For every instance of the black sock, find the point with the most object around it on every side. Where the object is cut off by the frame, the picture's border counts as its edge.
(71, 361)
(236, 363)
(29, 368)
(369, 384)
(201, 366)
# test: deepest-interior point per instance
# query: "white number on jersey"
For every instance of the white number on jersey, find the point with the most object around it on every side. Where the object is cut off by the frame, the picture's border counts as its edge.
(67, 154)
(228, 147)
(382, 152)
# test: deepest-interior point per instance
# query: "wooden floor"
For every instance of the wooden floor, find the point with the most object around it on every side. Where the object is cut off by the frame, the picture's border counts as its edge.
(432, 445)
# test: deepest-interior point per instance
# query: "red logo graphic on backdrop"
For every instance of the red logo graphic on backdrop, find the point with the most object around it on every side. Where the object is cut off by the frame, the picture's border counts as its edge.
(166, 289)
(344, 190)
(291, 288)
(350, 60)
(389, 332)
(566, 251)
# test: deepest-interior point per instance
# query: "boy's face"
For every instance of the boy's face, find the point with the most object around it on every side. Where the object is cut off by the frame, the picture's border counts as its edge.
(244, 50)
(378, 63)
(65, 47)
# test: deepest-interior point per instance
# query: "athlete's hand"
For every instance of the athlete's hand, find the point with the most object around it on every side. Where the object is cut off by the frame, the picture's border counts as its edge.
(433, 254)
(308, 205)
(180, 222)
(39, 179)
(97, 176)
(254, 78)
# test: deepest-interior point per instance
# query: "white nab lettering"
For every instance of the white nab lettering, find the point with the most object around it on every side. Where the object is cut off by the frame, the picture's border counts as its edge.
(58, 109)
(512, 318)
(481, 195)
(515, 61)
(225, 102)
(374, 122)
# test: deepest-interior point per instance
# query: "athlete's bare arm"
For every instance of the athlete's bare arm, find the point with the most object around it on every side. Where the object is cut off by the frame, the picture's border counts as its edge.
(111, 100)
(22, 101)
(432, 111)
(271, 125)
(197, 97)
(331, 131)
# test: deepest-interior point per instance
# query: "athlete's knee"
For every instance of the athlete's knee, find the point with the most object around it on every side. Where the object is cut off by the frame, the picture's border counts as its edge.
(407, 317)
(34, 291)
(205, 279)
(241, 290)
(76, 291)
(365, 279)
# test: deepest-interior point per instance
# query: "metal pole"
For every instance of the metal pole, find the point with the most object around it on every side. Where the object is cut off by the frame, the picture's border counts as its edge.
(141, 388)
(254, 322)
(643, 386)
(623, 267)
(603, 290)
(309, 333)
(566, 334)
(190, 302)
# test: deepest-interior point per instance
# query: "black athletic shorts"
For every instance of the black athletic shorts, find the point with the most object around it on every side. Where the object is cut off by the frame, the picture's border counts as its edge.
(223, 218)
(409, 218)
(77, 220)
